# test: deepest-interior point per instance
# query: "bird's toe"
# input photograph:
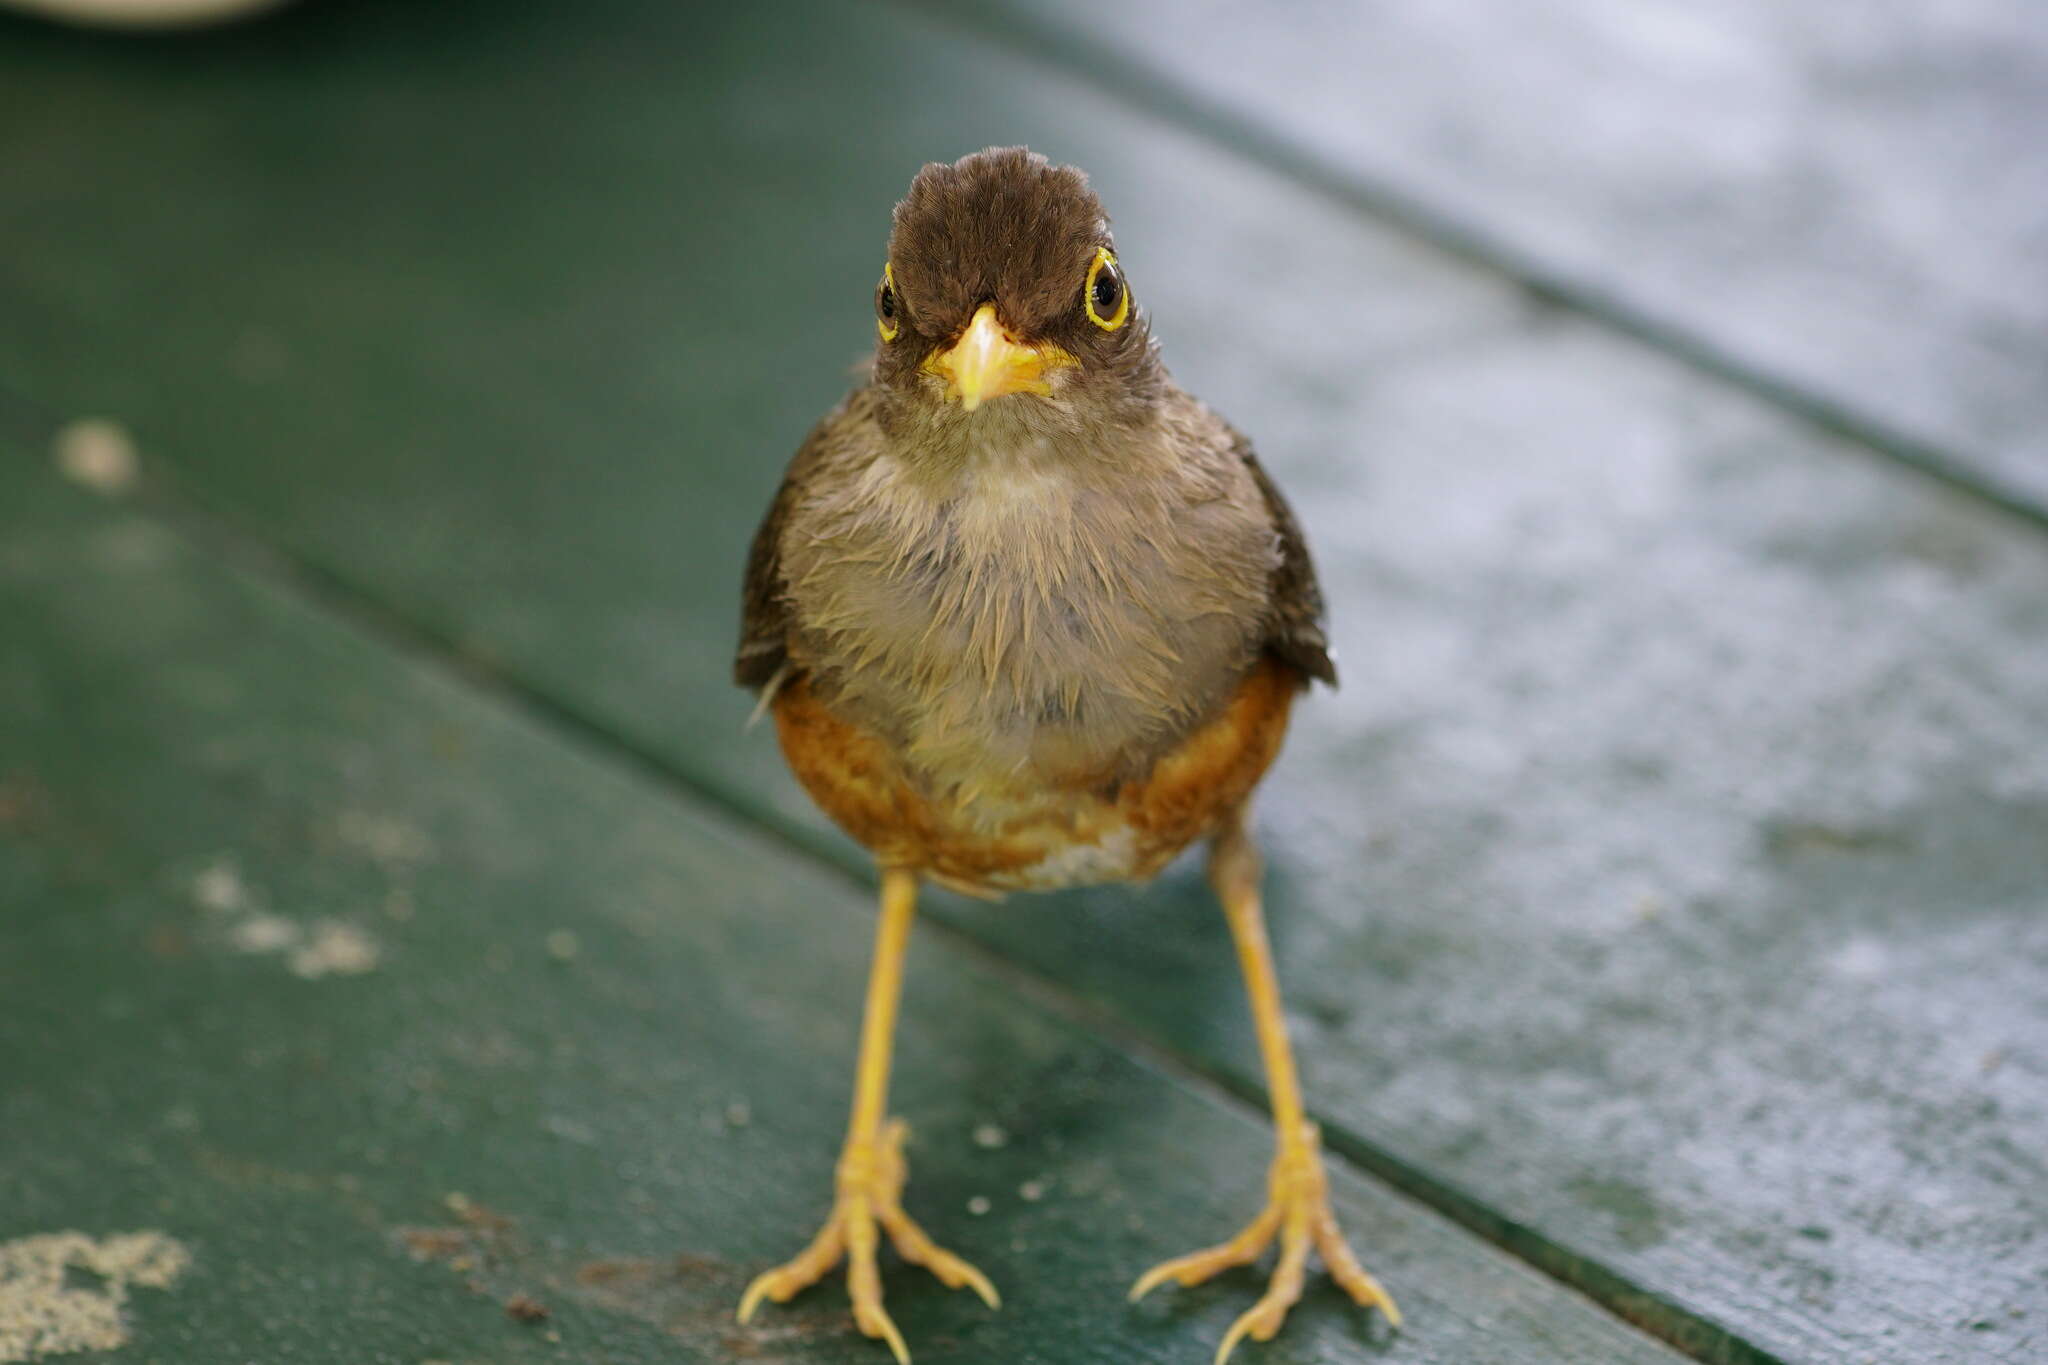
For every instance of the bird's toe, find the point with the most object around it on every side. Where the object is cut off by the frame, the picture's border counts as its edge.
(869, 1203)
(1299, 1216)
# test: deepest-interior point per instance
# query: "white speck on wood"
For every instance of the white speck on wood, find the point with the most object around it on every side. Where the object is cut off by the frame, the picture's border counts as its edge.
(264, 934)
(334, 948)
(220, 888)
(98, 454)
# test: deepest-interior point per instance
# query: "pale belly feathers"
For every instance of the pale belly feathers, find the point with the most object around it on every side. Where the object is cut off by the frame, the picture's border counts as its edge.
(1024, 639)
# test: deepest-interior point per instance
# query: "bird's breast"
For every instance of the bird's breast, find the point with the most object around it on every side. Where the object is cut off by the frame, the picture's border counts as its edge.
(1025, 624)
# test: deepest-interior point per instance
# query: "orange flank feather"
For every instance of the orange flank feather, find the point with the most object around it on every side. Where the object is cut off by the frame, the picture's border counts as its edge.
(1037, 835)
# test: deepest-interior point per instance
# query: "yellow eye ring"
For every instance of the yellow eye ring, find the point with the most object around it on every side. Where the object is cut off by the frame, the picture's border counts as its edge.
(888, 310)
(1116, 296)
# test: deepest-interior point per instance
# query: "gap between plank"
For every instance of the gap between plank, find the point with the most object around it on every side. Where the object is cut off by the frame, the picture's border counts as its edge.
(217, 529)
(1121, 76)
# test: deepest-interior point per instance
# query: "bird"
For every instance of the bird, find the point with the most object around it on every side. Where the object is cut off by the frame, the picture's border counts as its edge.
(1027, 615)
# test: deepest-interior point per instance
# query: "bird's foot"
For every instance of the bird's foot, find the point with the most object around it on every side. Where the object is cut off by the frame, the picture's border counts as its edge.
(870, 1183)
(1298, 1212)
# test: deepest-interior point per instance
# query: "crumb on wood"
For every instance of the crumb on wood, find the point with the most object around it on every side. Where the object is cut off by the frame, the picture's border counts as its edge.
(482, 1238)
(482, 1217)
(264, 934)
(219, 887)
(334, 948)
(609, 1272)
(525, 1308)
(434, 1244)
(620, 1274)
(97, 453)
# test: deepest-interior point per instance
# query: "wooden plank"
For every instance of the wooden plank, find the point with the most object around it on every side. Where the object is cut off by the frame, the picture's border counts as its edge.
(387, 1006)
(1841, 200)
(1665, 883)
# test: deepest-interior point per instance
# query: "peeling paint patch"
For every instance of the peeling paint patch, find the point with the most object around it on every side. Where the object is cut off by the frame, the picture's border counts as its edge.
(326, 947)
(45, 1311)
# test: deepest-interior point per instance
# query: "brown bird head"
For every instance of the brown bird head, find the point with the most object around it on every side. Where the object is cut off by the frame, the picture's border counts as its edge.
(1002, 301)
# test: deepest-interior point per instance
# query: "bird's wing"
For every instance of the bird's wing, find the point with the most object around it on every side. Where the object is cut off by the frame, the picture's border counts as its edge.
(764, 603)
(764, 611)
(1294, 624)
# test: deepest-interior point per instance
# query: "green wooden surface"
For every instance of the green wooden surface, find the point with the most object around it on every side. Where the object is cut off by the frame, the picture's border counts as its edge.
(200, 768)
(1844, 202)
(1663, 893)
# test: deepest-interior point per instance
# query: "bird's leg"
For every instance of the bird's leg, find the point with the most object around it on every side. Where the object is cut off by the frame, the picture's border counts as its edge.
(871, 1169)
(1297, 1200)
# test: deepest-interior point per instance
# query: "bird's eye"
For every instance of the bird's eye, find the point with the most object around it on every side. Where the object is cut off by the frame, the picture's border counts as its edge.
(1104, 296)
(886, 321)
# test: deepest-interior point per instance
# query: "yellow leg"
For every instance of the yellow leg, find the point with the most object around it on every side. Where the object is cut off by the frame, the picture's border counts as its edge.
(871, 1169)
(1297, 1201)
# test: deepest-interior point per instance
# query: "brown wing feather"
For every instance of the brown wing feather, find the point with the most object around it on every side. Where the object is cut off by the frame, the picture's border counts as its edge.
(764, 613)
(1294, 630)
(764, 603)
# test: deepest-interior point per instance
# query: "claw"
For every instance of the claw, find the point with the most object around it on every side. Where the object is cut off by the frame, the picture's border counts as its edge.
(1350, 1276)
(873, 1318)
(918, 1249)
(786, 1281)
(1197, 1266)
(1263, 1319)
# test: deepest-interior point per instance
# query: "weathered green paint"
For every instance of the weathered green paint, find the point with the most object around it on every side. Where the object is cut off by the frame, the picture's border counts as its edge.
(196, 768)
(1664, 890)
(1836, 207)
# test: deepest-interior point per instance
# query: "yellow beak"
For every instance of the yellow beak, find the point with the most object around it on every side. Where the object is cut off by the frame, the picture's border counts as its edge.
(985, 363)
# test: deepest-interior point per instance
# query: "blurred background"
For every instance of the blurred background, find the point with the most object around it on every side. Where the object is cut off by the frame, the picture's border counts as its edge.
(388, 392)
